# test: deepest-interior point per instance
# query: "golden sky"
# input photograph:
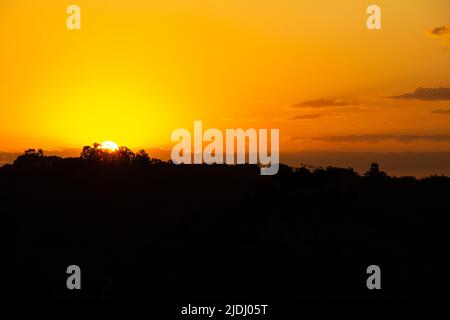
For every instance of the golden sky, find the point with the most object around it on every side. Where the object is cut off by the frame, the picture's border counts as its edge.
(139, 69)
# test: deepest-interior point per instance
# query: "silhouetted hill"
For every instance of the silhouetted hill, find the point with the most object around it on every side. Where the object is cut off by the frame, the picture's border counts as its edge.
(139, 227)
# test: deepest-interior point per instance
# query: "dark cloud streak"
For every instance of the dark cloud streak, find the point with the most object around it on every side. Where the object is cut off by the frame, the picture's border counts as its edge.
(373, 138)
(306, 117)
(322, 103)
(441, 32)
(428, 94)
(440, 111)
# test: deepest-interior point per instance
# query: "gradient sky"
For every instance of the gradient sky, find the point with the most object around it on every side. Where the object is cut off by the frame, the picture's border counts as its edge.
(139, 69)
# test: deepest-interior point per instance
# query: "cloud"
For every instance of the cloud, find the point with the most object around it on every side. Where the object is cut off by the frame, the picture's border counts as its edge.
(236, 119)
(322, 103)
(440, 111)
(306, 117)
(441, 32)
(373, 138)
(429, 94)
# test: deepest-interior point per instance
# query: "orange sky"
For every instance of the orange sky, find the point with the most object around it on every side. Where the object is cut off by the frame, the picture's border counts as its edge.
(139, 69)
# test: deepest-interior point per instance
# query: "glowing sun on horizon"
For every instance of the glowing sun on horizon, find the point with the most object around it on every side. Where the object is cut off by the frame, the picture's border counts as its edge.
(109, 145)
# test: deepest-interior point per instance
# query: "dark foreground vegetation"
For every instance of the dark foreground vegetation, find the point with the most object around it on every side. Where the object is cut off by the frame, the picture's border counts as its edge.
(143, 228)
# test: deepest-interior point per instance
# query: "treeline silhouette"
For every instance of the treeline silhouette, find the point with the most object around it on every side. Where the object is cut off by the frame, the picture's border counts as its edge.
(144, 228)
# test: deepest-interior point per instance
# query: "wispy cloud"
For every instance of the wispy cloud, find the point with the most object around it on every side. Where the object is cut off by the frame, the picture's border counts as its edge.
(306, 116)
(237, 119)
(323, 103)
(373, 138)
(441, 111)
(428, 94)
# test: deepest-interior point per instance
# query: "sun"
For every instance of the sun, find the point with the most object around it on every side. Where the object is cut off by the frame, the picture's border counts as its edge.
(109, 145)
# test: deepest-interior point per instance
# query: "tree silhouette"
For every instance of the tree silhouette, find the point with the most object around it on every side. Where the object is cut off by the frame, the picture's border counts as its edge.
(141, 158)
(123, 155)
(31, 157)
(97, 154)
(308, 231)
(88, 153)
(374, 171)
